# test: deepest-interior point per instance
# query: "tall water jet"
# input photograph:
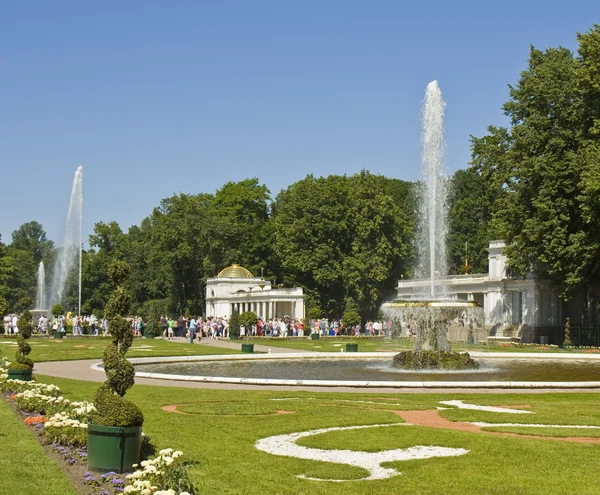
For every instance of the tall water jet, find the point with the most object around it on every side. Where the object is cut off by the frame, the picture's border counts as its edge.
(71, 249)
(430, 319)
(432, 197)
(40, 299)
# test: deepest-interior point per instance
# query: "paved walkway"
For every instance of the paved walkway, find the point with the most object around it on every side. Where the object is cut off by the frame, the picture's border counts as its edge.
(81, 370)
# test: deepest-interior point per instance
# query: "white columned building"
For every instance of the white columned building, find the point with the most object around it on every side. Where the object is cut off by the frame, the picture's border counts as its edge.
(236, 287)
(527, 308)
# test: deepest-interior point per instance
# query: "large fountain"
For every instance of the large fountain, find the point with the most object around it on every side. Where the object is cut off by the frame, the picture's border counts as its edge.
(70, 252)
(429, 316)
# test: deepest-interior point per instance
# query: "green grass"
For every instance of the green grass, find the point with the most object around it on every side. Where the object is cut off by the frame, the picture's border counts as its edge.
(46, 349)
(383, 345)
(25, 466)
(221, 427)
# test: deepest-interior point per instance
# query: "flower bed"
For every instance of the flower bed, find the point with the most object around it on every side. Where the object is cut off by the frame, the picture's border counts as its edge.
(62, 427)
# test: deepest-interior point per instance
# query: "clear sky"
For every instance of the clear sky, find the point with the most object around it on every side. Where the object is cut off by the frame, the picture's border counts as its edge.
(158, 97)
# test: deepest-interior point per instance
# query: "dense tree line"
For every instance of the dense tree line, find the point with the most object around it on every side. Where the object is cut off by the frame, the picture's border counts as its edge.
(539, 178)
(347, 239)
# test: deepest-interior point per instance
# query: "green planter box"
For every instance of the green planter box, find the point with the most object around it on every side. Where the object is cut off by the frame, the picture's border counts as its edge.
(233, 337)
(351, 347)
(247, 347)
(57, 335)
(148, 336)
(111, 448)
(24, 374)
(314, 336)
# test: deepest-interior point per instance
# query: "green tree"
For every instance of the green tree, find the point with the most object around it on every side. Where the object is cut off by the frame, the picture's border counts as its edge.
(468, 219)
(546, 167)
(239, 214)
(31, 238)
(342, 237)
(57, 310)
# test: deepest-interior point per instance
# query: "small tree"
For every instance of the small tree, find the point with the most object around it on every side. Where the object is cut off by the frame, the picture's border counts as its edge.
(234, 324)
(314, 313)
(24, 303)
(153, 327)
(351, 316)
(25, 329)
(113, 409)
(567, 340)
(248, 318)
(3, 306)
(57, 310)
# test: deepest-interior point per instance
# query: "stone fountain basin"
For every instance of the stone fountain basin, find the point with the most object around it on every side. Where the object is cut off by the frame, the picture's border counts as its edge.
(311, 359)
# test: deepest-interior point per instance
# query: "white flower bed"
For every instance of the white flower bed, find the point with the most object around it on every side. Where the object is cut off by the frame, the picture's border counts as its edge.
(154, 472)
(63, 420)
(461, 405)
(285, 445)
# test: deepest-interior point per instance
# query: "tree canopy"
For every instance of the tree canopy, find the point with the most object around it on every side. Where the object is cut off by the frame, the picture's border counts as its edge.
(542, 172)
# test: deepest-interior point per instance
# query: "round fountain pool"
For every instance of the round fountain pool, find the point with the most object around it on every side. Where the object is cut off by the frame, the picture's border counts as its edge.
(378, 369)
(375, 370)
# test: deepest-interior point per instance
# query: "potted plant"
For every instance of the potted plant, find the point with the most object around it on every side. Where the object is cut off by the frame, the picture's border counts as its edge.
(234, 325)
(313, 314)
(22, 367)
(248, 319)
(115, 430)
(567, 339)
(57, 310)
(351, 318)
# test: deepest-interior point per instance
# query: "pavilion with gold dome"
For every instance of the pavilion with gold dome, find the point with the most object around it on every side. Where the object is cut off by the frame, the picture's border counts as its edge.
(236, 287)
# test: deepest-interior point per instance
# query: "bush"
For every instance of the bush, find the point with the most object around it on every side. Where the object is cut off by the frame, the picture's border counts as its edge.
(425, 360)
(234, 324)
(152, 310)
(57, 310)
(3, 306)
(112, 408)
(25, 329)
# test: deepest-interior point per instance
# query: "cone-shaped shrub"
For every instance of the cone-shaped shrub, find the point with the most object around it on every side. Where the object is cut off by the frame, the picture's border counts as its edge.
(113, 409)
(25, 329)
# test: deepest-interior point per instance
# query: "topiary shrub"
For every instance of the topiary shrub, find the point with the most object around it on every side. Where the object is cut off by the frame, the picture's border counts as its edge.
(25, 330)
(57, 310)
(567, 340)
(153, 312)
(234, 325)
(113, 409)
(247, 319)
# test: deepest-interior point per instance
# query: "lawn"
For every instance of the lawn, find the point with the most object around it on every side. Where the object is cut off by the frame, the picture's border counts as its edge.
(46, 349)
(219, 428)
(25, 466)
(336, 344)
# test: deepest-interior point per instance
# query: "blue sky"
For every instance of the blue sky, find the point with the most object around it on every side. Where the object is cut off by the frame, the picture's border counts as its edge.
(155, 98)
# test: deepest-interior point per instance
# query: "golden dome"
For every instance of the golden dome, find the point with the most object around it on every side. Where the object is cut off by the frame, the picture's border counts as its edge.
(235, 271)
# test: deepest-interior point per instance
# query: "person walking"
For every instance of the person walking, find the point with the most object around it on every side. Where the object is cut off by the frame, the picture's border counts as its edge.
(164, 324)
(192, 329)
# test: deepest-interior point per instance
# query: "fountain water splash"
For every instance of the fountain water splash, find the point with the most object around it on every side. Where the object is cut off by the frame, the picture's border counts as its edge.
(72, 244)
(40, 300)
(432, 197)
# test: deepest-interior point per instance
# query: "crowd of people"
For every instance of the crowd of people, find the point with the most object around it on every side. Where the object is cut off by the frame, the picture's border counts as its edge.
(197, 327)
